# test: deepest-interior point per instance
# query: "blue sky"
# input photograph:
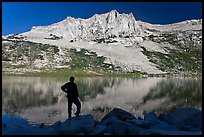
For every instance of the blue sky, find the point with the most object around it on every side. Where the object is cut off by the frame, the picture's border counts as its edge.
(18, 17)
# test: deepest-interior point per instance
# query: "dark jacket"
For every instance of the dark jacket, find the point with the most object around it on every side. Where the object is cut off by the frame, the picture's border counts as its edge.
(71, 89)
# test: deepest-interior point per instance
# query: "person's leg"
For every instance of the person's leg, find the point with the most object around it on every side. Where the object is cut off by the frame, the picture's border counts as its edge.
(78, 104)
(69, 108)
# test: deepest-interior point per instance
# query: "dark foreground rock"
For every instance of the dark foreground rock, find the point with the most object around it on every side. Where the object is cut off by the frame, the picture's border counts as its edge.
(183, 121)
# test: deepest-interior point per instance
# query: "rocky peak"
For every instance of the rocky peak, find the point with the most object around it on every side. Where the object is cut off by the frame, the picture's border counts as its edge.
(98, 26)
(110, 24)
(112, 16)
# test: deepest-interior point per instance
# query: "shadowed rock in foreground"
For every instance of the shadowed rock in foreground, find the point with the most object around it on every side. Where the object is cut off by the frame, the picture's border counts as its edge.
(183, 121)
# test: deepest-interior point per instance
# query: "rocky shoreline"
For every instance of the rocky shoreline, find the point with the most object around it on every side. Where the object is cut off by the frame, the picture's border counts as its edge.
(183, 121)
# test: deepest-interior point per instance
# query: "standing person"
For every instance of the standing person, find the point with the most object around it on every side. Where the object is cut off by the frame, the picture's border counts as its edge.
(72, 95)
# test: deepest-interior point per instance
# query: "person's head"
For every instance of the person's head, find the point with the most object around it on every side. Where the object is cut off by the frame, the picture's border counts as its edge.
(71, 79)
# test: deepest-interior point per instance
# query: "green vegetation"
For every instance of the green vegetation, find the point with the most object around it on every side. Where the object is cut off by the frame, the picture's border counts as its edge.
(182, 92)
(64, 72)
(16, 36)
(188, 38)
(86, 60)
(27, 52)
(181, 59)
(54, 37)
(105, 40)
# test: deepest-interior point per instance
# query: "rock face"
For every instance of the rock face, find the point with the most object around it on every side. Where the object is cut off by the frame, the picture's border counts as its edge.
(117, 122)
(108, 25)
(111, 24)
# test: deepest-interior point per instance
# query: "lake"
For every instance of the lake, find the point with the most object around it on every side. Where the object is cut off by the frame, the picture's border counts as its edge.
(41, 100)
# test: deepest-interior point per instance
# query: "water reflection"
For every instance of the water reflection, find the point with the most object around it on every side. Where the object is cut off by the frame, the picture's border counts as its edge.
(31, 96)
(22, 92)
(185, 92)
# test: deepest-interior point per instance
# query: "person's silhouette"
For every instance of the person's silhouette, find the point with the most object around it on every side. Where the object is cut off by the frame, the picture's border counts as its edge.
(72, 95)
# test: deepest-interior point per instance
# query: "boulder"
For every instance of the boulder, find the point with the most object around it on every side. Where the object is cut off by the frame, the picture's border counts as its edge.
(165, 118)
(119, 114)
(194, 129)
(109, 130)
(56, 125)
(87, 124)
(164, 126)
(84, 124)
(99, 129)
(50, 131)
(41, 125)
(118, 122)
(151, 117)
(189, 116)
(179, 124)
(141, 123)
(4, 125)
(109, 120)
(124, 128)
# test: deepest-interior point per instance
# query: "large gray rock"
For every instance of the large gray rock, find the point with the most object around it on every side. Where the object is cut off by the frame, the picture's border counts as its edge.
(119, 114)
(164, 132)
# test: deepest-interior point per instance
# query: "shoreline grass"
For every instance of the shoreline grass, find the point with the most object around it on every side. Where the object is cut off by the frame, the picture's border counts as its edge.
(65, 72)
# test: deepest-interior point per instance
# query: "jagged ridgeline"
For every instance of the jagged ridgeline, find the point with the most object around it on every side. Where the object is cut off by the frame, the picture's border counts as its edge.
(107, 42)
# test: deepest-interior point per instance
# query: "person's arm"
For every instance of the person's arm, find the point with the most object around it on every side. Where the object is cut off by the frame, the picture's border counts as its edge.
(64, 88)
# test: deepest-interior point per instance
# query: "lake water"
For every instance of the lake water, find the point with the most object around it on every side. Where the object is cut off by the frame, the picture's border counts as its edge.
(40, 100)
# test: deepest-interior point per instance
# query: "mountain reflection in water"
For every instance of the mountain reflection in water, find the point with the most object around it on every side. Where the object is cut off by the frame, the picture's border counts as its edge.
(40, 100)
